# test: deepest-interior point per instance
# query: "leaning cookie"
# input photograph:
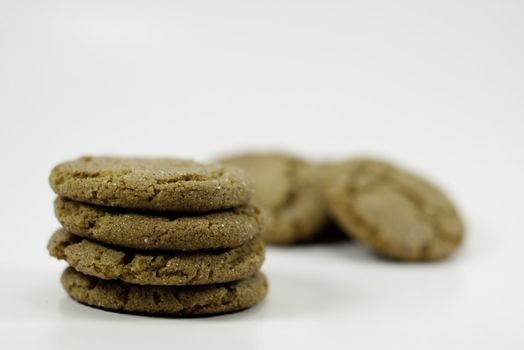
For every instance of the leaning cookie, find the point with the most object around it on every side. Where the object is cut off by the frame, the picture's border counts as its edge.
(167, 231)
(173, 268)
(159, 184)
(295, 212)
(165, 300)
(397, 214)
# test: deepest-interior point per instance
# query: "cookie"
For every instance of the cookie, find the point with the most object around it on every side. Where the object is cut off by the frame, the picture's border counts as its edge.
(397, 214)
(294, 209)
(158, 184)
(166, 231)
(158, 268)
(165, 300)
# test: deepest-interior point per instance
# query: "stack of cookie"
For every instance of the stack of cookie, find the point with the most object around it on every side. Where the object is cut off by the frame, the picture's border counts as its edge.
(158, 236)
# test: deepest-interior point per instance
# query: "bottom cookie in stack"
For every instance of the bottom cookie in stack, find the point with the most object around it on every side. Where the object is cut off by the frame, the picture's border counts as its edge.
(178, 283)
(165, 300)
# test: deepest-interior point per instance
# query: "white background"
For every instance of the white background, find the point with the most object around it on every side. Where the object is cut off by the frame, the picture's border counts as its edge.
(436, 85)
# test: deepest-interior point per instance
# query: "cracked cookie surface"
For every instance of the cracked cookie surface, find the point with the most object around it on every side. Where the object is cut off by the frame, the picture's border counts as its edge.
(397, 214)
(165, 231)
(157, 268)
(159, 184)
(165, 300)
(294, 210)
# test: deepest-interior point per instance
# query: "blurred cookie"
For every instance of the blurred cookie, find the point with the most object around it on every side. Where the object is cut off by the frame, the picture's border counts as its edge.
(395, 213)
(168, 231)
(165, 300)
(294, 209)
(159, 184)
(158, 268)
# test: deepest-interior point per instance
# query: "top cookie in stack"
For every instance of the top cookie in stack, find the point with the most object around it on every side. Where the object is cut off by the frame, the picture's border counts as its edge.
(159, 184)
(156, 228)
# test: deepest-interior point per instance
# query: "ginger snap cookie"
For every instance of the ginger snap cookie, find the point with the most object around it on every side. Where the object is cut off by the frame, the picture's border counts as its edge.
(158, 184)
(165, 300)
(295, 211)
(158, 268)
(397, 214)
(167, 231)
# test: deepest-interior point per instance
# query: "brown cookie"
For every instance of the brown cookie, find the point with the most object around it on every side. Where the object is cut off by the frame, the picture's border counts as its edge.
(397, 214)
(165, 300)
(158, 184)
(167, 231)
(157, 268)
(294, 209)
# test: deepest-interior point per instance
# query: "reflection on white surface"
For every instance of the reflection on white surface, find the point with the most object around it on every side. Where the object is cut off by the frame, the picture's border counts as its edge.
(101, 329)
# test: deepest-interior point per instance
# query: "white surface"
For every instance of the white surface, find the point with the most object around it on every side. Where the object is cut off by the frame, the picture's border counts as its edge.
(435, 85)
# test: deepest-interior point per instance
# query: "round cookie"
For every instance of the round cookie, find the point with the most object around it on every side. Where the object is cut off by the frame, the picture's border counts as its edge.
(294, 209)
(167, 231)
(397, 214)
(165, 300)
(159, 184)
(159, 268)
